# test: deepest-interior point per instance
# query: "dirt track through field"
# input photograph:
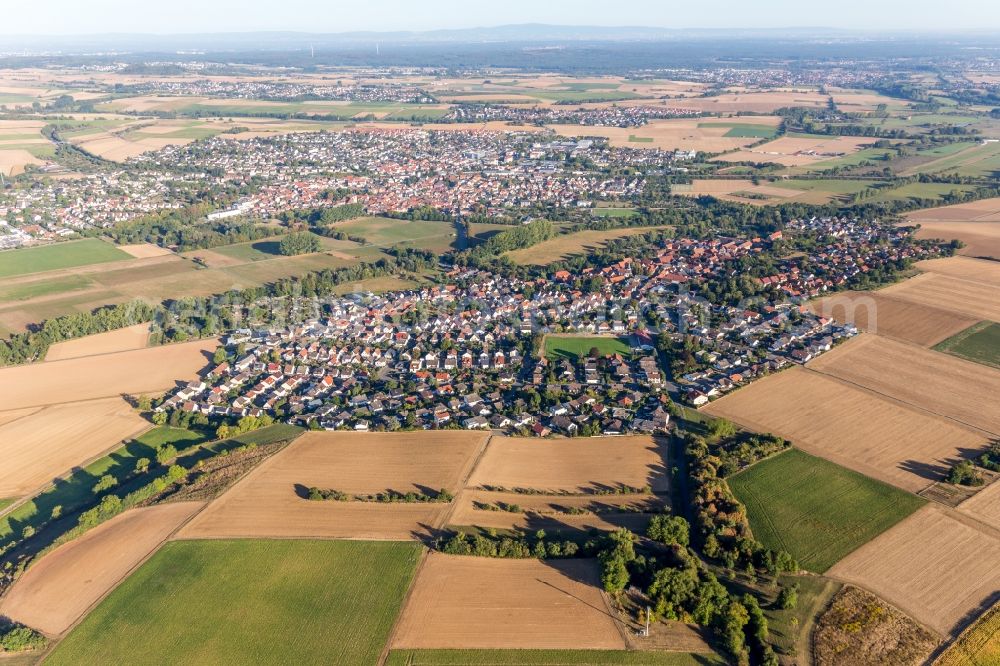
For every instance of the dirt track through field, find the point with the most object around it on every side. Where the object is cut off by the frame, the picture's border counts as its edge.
(45, 445)
(471, 602)
(56, 592)
(940, 569)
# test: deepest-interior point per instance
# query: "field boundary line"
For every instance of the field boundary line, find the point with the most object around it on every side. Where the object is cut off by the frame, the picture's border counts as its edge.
(909, 405)
(463, 482)
(391, 638)
(57, 639)
(82, 466)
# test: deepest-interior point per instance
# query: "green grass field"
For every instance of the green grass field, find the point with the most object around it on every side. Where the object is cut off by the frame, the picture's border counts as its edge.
(250, 602)
(576, 346)
(816, 510)
(4, 503)
(548, 658)
(746, 130)
(60, 285)
(386, 232)
(59, 255)
(980, 343)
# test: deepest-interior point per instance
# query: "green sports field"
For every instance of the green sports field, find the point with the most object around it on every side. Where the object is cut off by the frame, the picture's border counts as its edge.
(548, 658)
(250, 602)
(59, 255)
(980, 343)
(576, 346)
(816, 510)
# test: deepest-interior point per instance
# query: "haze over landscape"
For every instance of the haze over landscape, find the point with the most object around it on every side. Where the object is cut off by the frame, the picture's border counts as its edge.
(534, 333)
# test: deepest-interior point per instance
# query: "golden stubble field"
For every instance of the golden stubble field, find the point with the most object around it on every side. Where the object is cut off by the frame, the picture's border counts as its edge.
(473, 602)
(44, 445)
(704, 134)
(934, 382)
(139, 371)
(939, 568)
(64, 584)
(791, 151)
(122, 339)
(272, 500)
(572, 465)
(852, 427)
(970, 287)
(877, 312)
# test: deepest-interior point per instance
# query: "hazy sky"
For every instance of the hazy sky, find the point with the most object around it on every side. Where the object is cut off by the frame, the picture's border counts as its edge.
(170, 16)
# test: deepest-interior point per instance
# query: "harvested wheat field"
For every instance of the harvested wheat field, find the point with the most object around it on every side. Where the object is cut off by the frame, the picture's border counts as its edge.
(122, 339)
(139, 371)
(851, 427)
(890, 317)
(54, 593)
(474, 602)
(981, 239)
(970, 212)
(674, 134)
(936, 567)
(984, 505)
(145, 250)
(554, 512)
(13, 162)
(38, 448)
(272, 500)
(964, 268)
(937, 383)
(790, 151)
(11, 415)
(575, 465)
(741, 191)
(970, 298)
(118, 149)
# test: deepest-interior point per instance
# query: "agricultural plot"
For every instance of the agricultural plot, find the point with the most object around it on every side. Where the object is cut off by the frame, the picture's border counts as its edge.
(40, 447)
(472, 602)
(699, 134)
(816, 510)
(796, 151)
(522, 657)
(554, 513)
(59, 588)
(979, 343)
(978, 161)
(86, 378)
(984, 505)
(765, 101)
(741, 191)
(936, 383)
(123, 339)
(386, 232)
(938, 568)
(964, 268)
(984, 210)
(969, 297)
(273, 499)
(576, 346)
(14, 160)
(564, 246)
(890, 317)
(206, 602)
(59, 255)
(880, 438)
(981, 239)
(978, 645)
(572, 465)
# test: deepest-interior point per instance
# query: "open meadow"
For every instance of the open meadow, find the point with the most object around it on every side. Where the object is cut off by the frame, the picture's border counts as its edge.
(936, 383)
(273, 500)
(473, 602)
(58, 255)
(574, 347)
(57, 590)
(816, 510)
(40, 447)
(208, 602)
(875, 436)
(565, 246)
(936, 566)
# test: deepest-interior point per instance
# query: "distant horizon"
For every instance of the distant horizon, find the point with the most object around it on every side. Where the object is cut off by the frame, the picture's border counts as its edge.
(63, 18)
